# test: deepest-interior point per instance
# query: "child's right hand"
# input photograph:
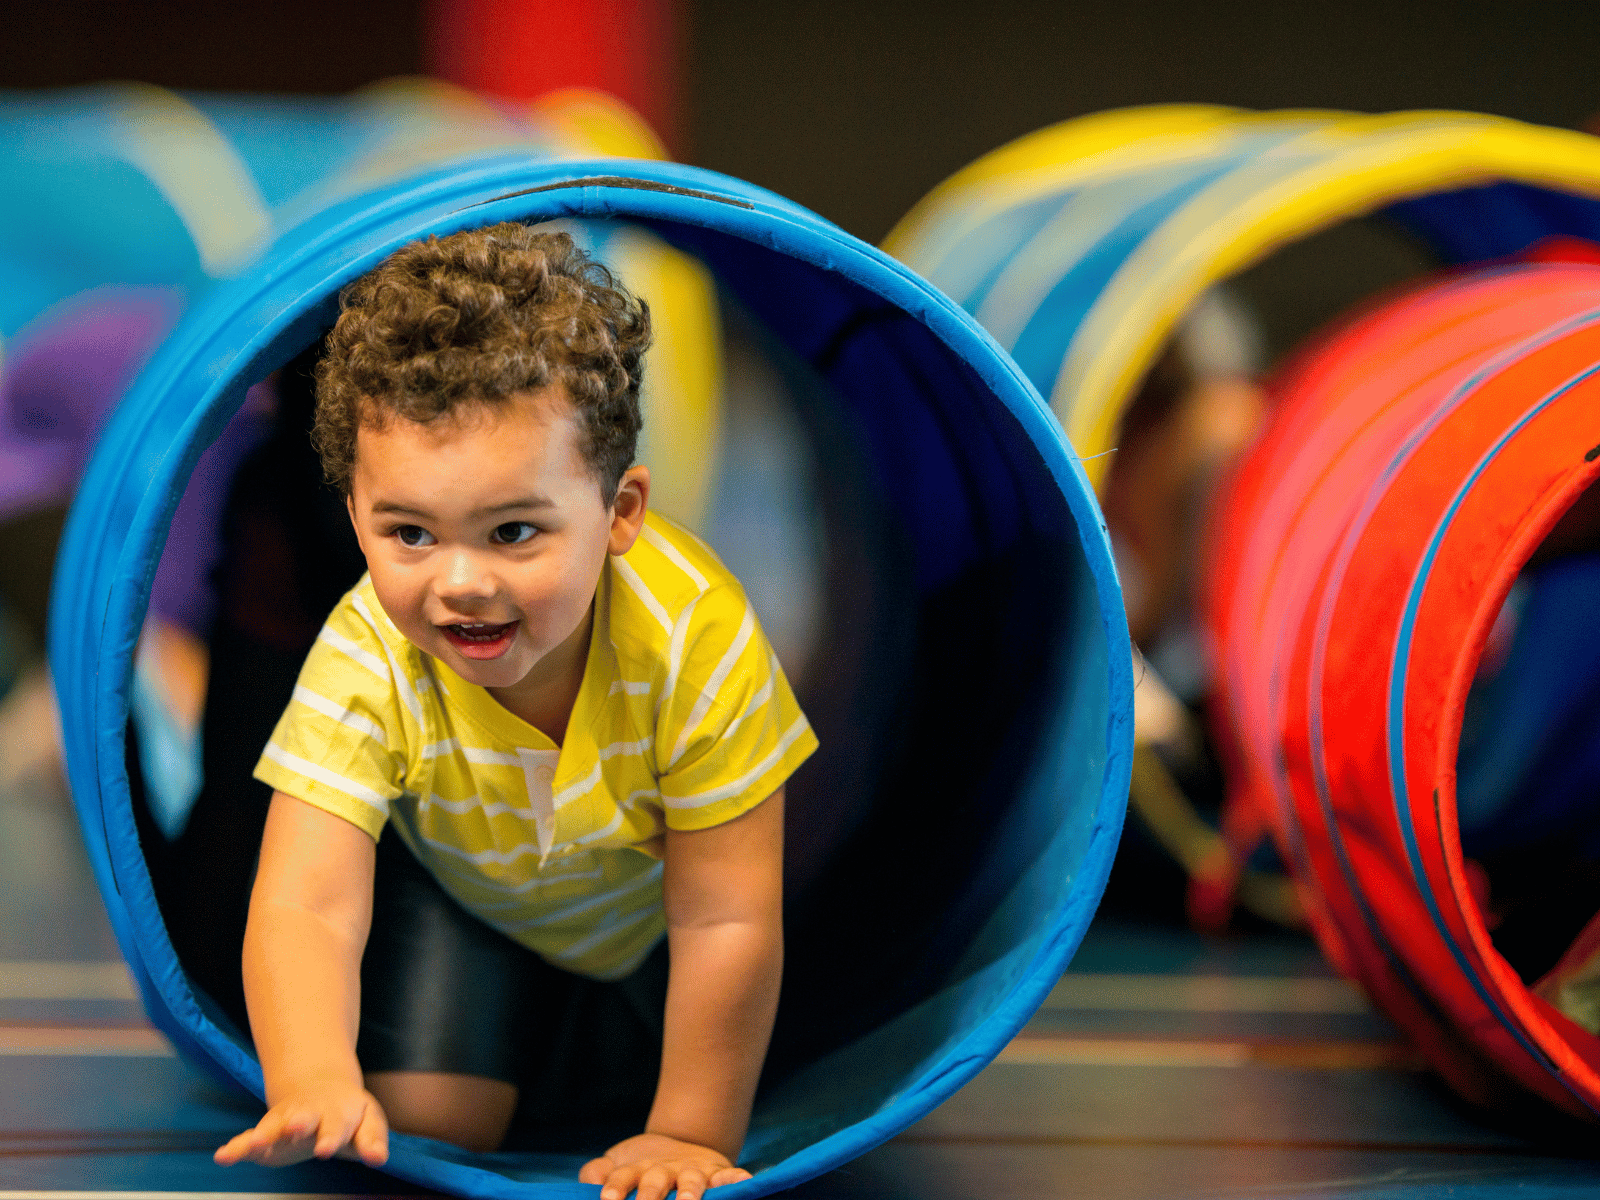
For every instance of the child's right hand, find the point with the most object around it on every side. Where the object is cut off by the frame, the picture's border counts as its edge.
(315, 1122)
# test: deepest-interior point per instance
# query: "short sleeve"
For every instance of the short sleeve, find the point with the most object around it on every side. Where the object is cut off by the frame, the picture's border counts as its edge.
(340, 743)
(730, 731)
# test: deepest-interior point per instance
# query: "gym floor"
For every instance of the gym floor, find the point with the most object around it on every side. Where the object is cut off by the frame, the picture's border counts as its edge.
(1163, 1065)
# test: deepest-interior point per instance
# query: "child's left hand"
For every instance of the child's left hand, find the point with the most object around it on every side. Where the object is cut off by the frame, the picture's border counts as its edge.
(655, 1164)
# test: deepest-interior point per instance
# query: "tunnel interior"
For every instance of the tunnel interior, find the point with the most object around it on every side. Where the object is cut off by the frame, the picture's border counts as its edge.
(1528, 764)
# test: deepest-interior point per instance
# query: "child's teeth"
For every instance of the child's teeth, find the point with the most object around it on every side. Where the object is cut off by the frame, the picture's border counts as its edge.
(480, 630)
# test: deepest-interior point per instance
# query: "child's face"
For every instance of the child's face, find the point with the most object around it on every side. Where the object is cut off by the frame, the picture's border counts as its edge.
(485, 533)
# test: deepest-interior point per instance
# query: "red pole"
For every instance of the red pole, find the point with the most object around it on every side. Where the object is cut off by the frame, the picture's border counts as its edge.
(521, 49)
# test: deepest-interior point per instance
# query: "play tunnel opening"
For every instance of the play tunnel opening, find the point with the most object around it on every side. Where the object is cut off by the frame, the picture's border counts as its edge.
(960, 663)
(1527, 765)
(869, 678)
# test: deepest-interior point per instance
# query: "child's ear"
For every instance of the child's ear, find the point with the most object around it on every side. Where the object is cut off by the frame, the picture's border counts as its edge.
(628, 509)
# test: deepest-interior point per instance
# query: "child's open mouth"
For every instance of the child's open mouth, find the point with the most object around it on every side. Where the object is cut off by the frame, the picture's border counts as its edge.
(480, 641)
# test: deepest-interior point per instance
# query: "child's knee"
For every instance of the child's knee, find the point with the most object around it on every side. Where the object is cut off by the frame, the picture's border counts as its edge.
(465, 1110)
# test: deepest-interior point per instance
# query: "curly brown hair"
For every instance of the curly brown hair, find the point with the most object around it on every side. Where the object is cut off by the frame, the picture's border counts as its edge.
(476, 318)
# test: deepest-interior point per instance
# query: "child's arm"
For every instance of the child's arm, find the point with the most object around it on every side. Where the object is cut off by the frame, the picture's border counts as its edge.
(724, 907)
(309, 915)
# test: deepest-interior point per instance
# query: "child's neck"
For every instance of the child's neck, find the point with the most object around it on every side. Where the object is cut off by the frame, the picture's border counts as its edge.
(545, 697)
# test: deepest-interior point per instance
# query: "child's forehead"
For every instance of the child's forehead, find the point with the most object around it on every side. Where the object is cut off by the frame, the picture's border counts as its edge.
(547, 408)
(527, 444)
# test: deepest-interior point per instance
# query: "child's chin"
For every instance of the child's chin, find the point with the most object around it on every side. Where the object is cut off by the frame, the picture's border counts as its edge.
(491, 672)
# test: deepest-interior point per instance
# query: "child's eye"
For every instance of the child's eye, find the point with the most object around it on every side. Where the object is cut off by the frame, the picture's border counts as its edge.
(514, 532)
(413, 535)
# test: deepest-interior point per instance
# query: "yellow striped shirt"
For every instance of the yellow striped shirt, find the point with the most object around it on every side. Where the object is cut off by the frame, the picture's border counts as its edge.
(684, 720)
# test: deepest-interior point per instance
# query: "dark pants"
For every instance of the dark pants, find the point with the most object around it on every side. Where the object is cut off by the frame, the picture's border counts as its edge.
(442, 991)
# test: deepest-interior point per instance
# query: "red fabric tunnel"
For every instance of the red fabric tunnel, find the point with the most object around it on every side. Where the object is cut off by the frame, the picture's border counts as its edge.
(1418, 457)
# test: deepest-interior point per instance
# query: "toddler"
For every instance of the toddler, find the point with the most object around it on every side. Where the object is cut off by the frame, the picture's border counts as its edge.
(542, 732)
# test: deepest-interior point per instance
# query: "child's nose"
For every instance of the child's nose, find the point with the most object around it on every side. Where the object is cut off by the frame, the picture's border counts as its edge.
(465, 577)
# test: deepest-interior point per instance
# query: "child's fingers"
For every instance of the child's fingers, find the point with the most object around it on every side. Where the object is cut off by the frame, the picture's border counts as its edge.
(269, 1129)
(653, 1184)
(292, 1144)
(297, 1122)
(285, 1152)
(728, 1175)
(619, 1183)
(287, 1135)
(691, 1183)
(596, 1170)
(234, 1149)
(253, 1143)
(284, 1136)
(334, 1132)
(371, 1140)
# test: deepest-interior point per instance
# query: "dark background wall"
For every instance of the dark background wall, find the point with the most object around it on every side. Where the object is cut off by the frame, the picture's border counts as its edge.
(857, 107)
(229, 45)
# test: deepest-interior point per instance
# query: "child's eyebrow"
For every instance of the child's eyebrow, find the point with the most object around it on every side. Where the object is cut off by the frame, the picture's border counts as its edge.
(389, 506)
(521, 502)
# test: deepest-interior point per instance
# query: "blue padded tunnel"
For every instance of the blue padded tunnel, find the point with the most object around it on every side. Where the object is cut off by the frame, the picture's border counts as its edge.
(950, 841)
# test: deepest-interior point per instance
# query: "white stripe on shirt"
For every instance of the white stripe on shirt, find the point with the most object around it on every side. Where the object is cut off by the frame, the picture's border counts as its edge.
(604, 933)
(474, 803)
(631, 804)
(607, 830)
(477, 879)
(573, 790)
(757, 703)
(519, 900)
(713, 687)
(745, 780)
(675, 555)
(340, 714)
(321, 774)
(650, 876)
(680, 633)
(478, 754)
(501, 858)
(616, 748)
(637, 586)
(628, 805)
(354, 652)
(402, 679)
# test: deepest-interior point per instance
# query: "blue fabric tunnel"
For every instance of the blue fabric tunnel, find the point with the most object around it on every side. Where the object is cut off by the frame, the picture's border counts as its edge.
(972, 688)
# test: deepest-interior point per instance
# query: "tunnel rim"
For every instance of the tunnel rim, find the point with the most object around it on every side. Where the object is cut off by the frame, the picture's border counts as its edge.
(1356, 164)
